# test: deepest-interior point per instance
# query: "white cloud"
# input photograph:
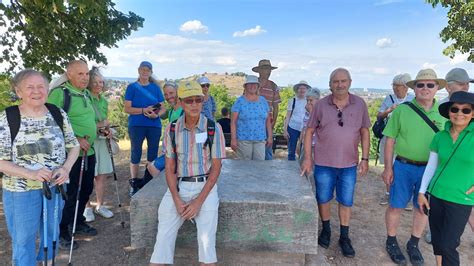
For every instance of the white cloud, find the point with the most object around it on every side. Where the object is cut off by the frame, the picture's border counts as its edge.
(386, 2)
(429, 65)
(193, 26)
(459, 58)
(225, 60)
(383, 43)
(250, 32)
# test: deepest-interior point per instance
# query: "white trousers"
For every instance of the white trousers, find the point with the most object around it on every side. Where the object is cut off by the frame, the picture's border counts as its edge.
(169, 222)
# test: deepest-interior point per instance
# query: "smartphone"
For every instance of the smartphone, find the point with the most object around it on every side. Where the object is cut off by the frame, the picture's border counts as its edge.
(156, 108)
(426, 211)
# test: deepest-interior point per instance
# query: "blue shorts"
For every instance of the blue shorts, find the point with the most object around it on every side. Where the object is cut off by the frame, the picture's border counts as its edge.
(406, 184)
(159, 163)
(342, 179)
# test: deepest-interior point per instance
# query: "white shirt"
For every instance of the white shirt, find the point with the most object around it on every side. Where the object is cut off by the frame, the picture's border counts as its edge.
(296, 119)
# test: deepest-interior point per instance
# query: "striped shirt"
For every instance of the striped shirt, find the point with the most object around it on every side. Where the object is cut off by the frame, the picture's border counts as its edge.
(269, 90)
(193, 156)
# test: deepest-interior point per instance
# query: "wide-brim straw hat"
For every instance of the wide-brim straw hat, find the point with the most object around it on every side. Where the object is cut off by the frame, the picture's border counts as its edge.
(427, 74)
(456, 97)
(263, 64)
(301, 83)
(188, 89)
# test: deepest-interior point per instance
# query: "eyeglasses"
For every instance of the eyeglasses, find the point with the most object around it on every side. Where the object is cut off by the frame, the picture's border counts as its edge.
(193, 100)
(205, 85)
(456, 110)
(422, 85)
(339, 115)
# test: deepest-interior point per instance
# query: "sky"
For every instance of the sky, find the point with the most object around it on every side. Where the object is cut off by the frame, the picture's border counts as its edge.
(306, 40)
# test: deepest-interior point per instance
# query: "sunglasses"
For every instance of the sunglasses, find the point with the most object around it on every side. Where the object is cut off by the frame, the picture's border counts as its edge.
(205, 85)
(422, 85)
(456, 110)
(193, 100)
(339, 115)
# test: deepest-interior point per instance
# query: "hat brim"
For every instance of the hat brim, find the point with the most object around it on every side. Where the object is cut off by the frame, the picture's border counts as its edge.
(444, 109)
(185, 95)
(258, 68)
(441, 83)
(295, 87)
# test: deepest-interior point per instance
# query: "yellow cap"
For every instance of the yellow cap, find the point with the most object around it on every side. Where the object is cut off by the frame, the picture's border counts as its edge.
(189, 88)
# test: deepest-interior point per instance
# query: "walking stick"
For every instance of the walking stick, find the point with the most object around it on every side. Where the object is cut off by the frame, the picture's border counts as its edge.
(46, 196)
(81, 173)
(116, 183)
(56, 221)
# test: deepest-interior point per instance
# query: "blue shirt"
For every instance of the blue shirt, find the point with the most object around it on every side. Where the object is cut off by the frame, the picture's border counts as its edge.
(209, 107)
(252, 118)
(142, 97)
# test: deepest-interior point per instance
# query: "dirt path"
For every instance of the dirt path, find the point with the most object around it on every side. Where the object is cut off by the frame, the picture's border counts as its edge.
(112, 245)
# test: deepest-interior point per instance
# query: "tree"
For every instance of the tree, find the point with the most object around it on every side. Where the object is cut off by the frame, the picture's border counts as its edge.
(222, 97)
(460, 29)
(46, 34)
(285, 95)
(7, 97)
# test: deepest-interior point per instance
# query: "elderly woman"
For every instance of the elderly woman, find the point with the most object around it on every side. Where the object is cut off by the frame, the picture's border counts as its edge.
(209, 104)
(294, 117)
(448, 178)
(103, 165)
(312, 96)
(35, 155)
(142, 100)
(251, 128)
(389, 104)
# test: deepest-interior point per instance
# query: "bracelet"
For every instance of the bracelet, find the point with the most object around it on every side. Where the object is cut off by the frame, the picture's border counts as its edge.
(142, 110)
(365, 159)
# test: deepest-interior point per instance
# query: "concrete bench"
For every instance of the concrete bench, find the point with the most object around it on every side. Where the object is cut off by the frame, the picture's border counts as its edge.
(267, 214)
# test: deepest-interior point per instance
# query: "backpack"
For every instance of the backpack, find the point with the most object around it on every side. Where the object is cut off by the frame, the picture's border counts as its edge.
(67, 98)
(380, 124)
(211, 131)
(14, 119)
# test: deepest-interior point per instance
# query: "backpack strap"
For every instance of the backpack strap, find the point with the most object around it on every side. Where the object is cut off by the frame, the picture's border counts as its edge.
(391, 98)
(423, 116)
(13, 119)
(173, 144)
(57, 116)
(211, 131)
(66, 98)
(292, 107)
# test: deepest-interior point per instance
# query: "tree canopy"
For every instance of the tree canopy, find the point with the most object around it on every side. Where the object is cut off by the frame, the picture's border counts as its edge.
(460, 28)
(46, 34)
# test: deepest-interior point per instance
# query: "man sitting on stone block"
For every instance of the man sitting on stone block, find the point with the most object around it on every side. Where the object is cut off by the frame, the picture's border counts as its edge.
(194, 147)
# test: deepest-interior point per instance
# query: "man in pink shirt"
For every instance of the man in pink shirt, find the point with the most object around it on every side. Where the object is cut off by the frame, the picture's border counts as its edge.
(340, 121)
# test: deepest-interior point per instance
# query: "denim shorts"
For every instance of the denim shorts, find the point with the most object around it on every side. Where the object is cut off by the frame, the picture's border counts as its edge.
(342, 179)
(406, 184)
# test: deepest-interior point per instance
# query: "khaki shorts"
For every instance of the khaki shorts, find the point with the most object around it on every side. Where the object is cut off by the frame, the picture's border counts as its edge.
(251, 150)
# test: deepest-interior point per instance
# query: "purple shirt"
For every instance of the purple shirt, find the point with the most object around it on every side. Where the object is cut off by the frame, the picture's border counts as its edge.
(338, 146)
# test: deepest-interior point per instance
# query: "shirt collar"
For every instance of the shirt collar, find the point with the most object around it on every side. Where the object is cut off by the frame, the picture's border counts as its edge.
(434, 107)
(330, 99)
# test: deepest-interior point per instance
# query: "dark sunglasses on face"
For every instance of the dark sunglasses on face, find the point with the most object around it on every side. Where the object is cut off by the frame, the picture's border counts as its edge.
(339, 115)
(456, 110)
(205, 85)
(422, 85)
(192, 100)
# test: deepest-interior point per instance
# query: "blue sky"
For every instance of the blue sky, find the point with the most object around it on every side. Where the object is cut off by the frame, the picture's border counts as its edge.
(375, 39)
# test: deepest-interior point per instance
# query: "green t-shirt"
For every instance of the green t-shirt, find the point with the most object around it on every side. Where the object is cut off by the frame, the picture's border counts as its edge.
(101, 107)
(411, 133)
(173, 115)
(81, 113)
(458, 175)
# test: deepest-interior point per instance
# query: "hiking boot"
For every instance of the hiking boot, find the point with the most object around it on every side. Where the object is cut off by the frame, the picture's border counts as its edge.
(395, 253)
(65, 241)
(428, 237)
(85, 230)
(346, 247)
(384, 199)
(104, 212)
(134, 186)
(324, 238)
(147, 177)
(89, 215)
(414, 254)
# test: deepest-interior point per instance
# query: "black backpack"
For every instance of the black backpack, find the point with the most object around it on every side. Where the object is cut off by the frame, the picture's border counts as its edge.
(14, 118)
(211, 131)
(380, 124)
(67, 98)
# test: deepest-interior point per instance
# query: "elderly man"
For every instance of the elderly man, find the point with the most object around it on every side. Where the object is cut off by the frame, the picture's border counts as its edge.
(194, 147)
(409, 136)
(269, 90)
(341, 121)
(73, 97)
(457, 80)
(389, 104)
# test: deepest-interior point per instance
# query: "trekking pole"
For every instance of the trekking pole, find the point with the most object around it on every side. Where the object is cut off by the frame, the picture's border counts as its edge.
(56, 220)
(46, 196)
(116, 183)
(81, 173)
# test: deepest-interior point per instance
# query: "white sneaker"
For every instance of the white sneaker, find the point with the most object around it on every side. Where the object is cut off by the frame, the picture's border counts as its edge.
(89, 214)
(104, 212)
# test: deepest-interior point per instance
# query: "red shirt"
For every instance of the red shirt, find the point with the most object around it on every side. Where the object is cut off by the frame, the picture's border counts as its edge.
(337, 146)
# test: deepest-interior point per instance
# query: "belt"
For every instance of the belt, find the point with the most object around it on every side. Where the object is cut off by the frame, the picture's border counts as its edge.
(408, 161)
(195, 178)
